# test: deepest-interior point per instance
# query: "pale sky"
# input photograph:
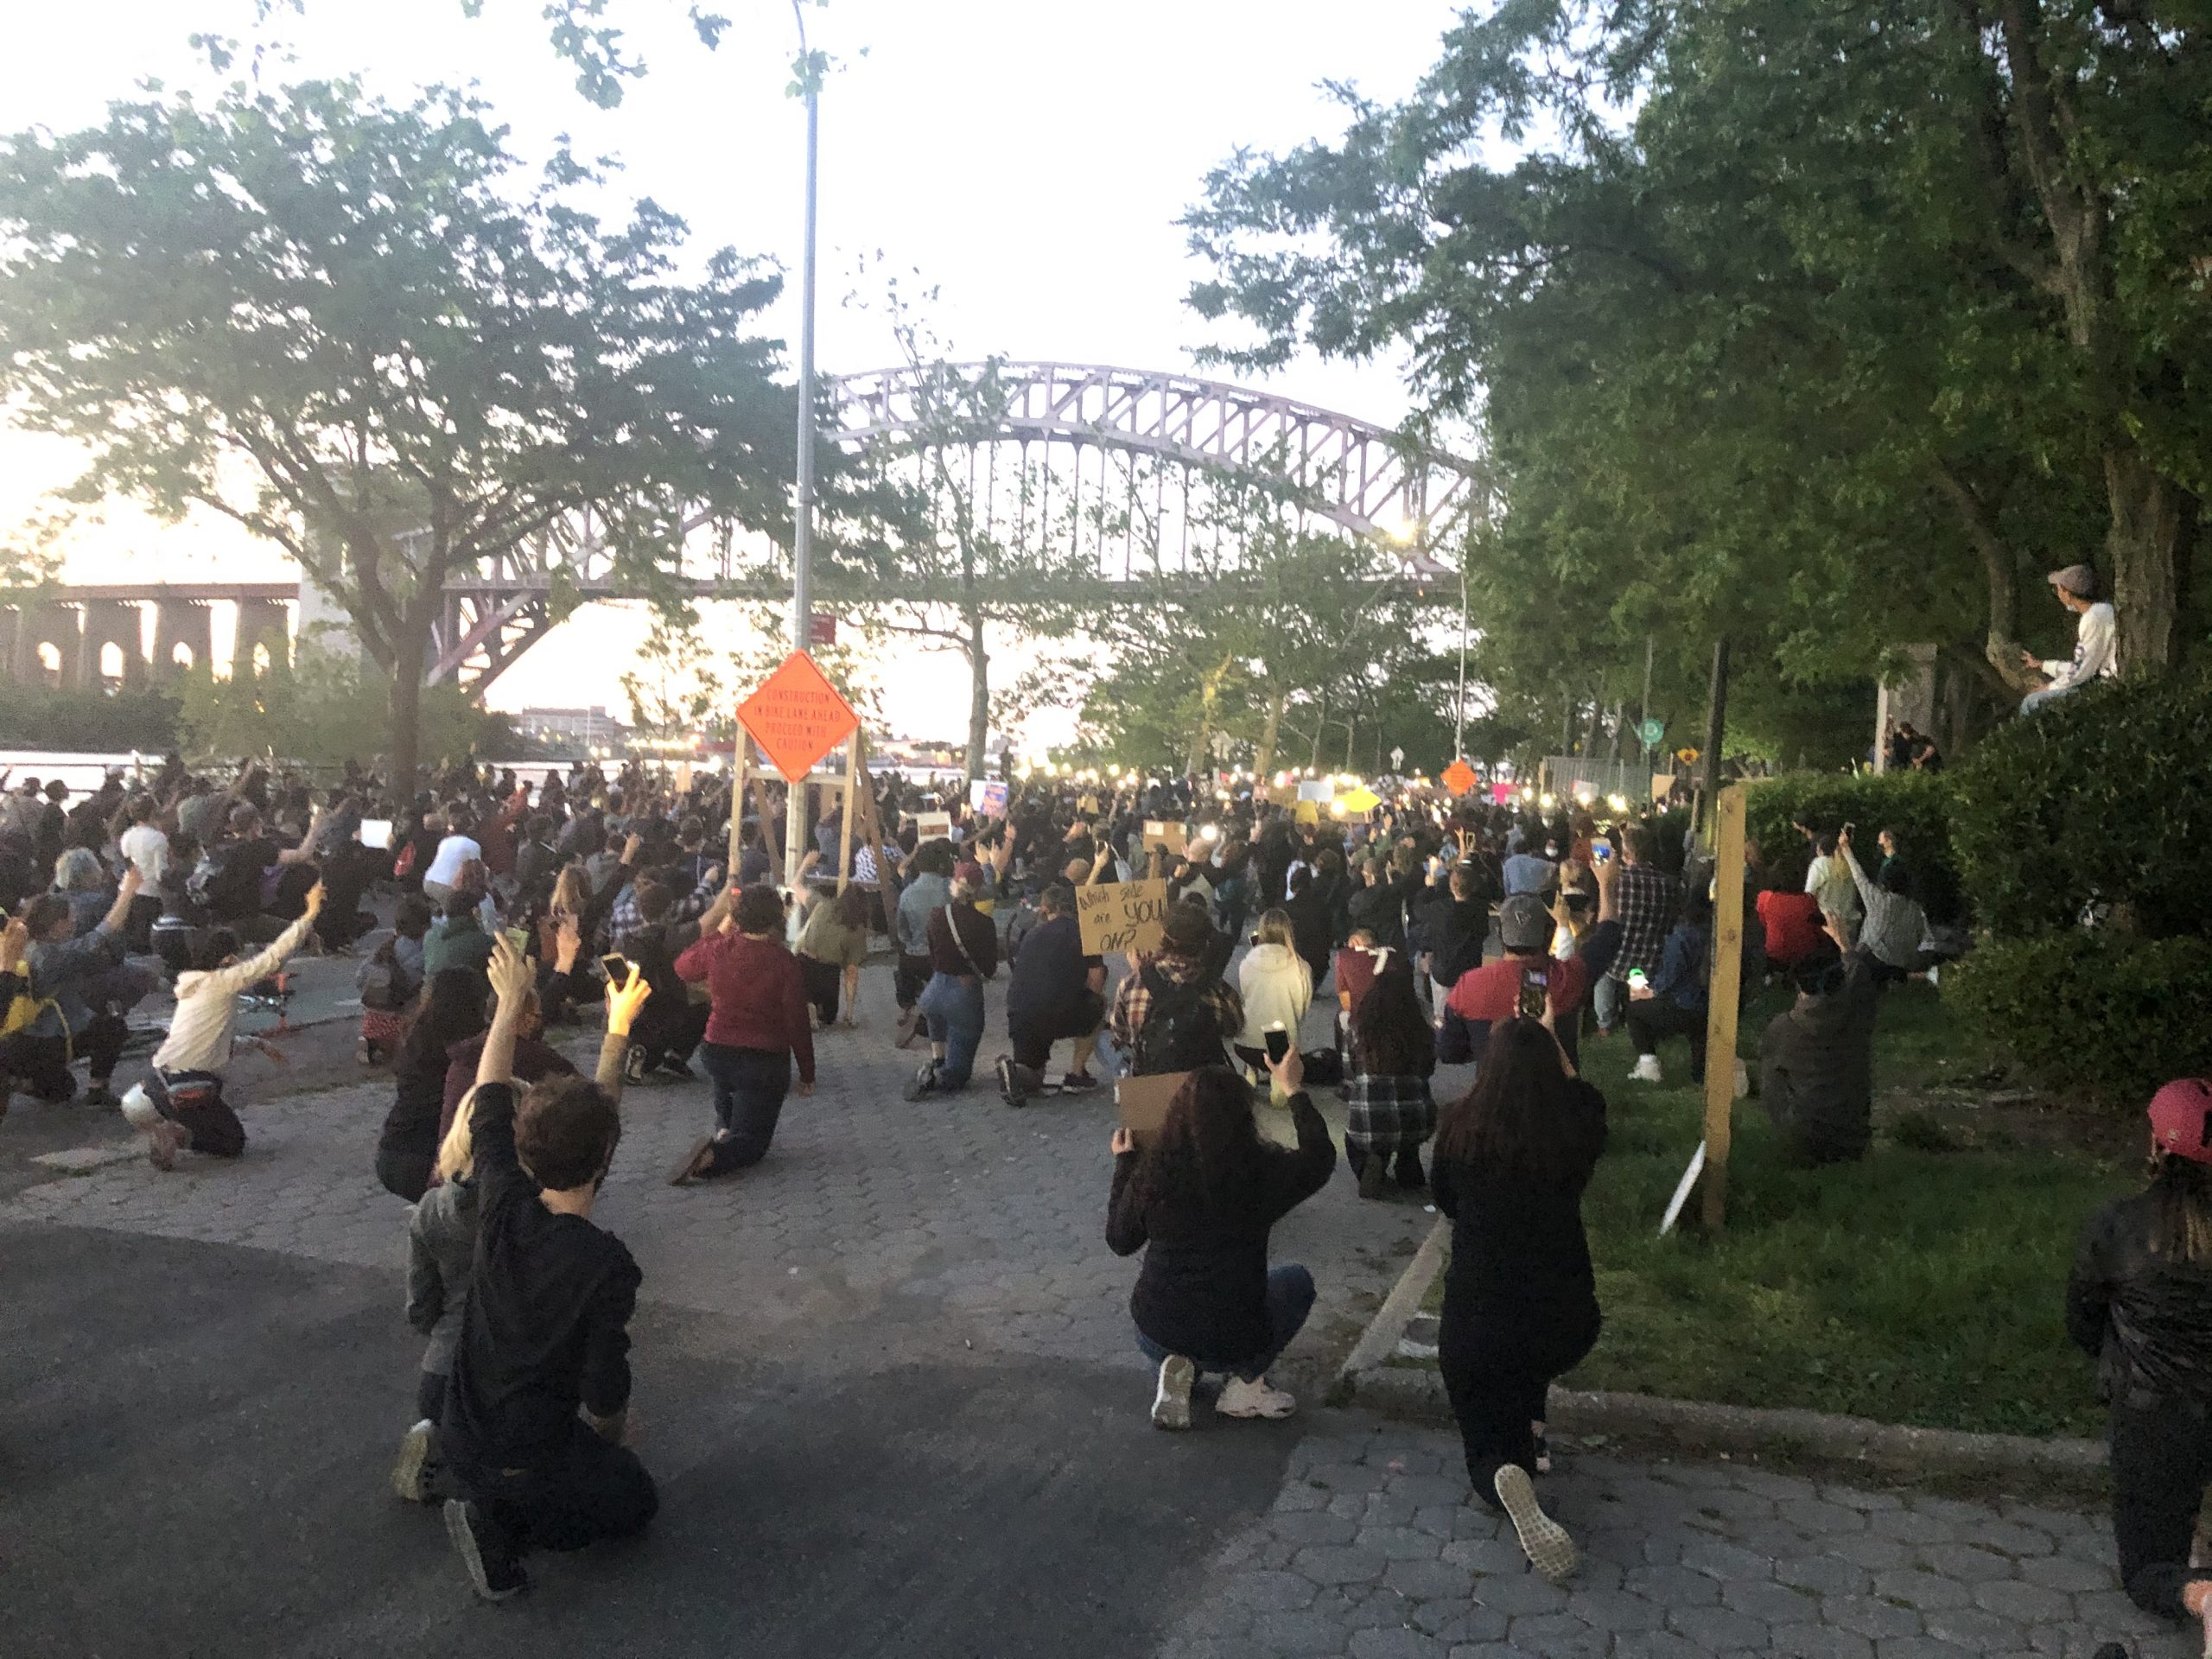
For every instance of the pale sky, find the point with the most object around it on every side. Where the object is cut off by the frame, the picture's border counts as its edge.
(1029, 157)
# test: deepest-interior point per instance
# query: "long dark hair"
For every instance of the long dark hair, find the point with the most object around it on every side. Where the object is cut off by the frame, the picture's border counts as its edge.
(452, 1009)
(2182, 1193)
(1391, 1036)
(1209, 1149)
(1524, 1117)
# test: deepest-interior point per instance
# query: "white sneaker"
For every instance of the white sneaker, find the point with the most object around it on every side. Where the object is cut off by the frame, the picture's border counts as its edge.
(407, 1474)
(1170, 1405)
(1743, 1079)
(1242, 1398)
(1934, 973)
(1647, 1070)
(1544, 1541)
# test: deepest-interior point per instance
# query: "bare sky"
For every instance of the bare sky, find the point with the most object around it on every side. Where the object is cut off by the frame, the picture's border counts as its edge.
(1029, 156)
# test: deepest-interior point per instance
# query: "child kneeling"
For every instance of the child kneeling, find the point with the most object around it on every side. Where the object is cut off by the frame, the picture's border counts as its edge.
(545, 1336)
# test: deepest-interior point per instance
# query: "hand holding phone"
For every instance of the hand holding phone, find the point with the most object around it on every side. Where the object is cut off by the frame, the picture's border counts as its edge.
(1277, 1038)
(616, 967)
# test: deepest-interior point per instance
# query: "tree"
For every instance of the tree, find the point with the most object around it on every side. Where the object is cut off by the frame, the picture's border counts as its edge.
(1804, 321)
(356, 329)
(323, 709)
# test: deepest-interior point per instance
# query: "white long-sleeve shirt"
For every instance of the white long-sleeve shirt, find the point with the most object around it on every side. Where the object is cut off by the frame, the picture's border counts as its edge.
(2095, 658)
(208, 1007)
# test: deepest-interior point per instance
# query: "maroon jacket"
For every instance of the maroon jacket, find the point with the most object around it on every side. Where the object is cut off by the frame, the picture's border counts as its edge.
(760, 996)
(534, 1061)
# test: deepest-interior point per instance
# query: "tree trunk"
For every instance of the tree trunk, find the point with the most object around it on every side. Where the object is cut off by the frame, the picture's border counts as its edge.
(1320, 725)
(406, 711)
(2148, 519)
(1209, 693)
(979, 692)
(1270, 733)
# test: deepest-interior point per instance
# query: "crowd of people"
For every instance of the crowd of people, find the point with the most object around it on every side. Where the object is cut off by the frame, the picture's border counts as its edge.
(1433, 931)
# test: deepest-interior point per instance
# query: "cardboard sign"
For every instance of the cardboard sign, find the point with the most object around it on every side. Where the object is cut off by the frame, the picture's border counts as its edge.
(1087, 804)
(1143, 1102)
(1175, 838)
(933, 826)
(988, 797)
(1283, 794)
(1121, 917)
(1317, 789)
(1662, 785)
(797, 716)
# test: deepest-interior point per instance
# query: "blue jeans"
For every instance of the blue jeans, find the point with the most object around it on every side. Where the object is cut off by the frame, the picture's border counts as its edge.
(1608, 996)
(2036, 700)
(952, 1007)
(1290, 1298)
(750, 1085)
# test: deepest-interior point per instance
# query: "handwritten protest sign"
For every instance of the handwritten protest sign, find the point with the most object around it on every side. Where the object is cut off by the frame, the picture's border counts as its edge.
(934, 826)
(988, 797)
(1166, 833)
(1121, 917)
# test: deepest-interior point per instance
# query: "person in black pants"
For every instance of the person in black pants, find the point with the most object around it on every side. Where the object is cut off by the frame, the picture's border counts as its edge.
(538, 1401)
(452, 1011)
(1520, 1300)
(1673, 1004)
(1200, 1201)
(2139, 1300)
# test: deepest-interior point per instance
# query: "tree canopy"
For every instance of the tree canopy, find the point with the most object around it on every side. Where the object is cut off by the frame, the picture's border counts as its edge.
(360, 330)
(1818, 324)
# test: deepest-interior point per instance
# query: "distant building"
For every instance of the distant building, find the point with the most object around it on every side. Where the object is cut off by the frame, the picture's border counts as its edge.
(582, 732)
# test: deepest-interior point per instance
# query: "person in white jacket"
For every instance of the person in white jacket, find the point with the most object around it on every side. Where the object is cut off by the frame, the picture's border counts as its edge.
(182, 1104)
(1277, 988)
(2094, 654)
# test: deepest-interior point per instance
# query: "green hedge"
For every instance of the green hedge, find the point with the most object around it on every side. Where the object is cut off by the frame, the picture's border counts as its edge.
(90, 722)
(2104, 795)
(1918, 805)
(2090, 1013)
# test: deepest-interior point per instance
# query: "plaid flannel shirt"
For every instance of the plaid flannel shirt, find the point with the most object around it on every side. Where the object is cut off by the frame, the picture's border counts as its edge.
(627, 919)
(1133, 1002)
(1646, 899)
(1389, 1115)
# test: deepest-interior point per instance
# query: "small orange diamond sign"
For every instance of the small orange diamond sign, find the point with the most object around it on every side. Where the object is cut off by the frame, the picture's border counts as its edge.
(1460, 777)
(797, 716)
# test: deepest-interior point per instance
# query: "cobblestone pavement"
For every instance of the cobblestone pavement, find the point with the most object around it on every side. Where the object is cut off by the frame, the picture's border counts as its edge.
(958, 1228)
(1373, 1550)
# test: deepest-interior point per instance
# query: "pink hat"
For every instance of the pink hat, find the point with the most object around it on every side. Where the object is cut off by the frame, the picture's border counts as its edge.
(968, 873)
(2181, 1119)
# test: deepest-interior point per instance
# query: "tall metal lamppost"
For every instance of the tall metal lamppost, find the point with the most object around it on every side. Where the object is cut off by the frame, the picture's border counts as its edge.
(809, 85)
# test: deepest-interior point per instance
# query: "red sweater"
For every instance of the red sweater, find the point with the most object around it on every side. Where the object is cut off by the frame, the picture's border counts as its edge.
(759, 998)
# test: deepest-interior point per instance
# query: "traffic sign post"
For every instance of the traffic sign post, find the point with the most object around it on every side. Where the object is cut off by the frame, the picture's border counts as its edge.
(1651, 731)
(1460, 777)
(1397, 760)
(797, 717)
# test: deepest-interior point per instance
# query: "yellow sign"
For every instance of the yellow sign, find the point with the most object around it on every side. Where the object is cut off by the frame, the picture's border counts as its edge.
(1362, 799)
(1122, 916)
(1308, 812)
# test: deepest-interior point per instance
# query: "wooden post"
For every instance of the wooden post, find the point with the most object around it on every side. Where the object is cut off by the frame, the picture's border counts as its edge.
(739, 767)
(1720, 1010)
(845, 834)
(774, 844)
(1716, 728)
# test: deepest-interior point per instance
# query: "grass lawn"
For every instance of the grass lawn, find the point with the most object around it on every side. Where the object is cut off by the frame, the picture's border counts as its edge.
(1920, 1286)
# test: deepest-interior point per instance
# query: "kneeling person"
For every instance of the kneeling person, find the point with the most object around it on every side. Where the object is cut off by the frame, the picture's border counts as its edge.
(545, 1334)
(1054, 993)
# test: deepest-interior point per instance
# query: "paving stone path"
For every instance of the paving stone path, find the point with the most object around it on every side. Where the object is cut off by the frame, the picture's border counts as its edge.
(961, 1228)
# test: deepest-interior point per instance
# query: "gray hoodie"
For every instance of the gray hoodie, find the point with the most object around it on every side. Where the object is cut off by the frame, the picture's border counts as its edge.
(440, 1249)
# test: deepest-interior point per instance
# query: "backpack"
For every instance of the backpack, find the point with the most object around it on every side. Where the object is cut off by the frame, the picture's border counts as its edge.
(1181, 1032)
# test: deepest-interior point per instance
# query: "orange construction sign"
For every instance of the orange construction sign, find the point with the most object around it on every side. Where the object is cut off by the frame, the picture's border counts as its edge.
(797, 716)
(1460, 777)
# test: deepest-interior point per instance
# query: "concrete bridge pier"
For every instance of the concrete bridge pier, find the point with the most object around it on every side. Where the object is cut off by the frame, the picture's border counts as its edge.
(111, 622)
(261, 622)
(39, 625)
(179, 622)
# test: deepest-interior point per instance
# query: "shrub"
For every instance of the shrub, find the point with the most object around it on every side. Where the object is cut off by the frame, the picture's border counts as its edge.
(2104, 795)
(1918, 805)
(91, 722)
(2103, 1015)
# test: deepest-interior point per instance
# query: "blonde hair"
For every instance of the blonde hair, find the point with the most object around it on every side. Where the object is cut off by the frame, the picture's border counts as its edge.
(457, 1152)
(570, 892)
(1275, 929)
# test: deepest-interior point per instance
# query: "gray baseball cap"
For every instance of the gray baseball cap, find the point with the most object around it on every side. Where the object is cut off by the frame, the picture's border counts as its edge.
(2079, 580)
(1523, 923)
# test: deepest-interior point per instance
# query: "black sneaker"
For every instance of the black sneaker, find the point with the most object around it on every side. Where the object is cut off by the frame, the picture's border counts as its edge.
(1010, 1081)
(100, 1094)
(1078, 1083)
(677, 1071)
(492, 1566)
(633, 1066)
(923, 1082)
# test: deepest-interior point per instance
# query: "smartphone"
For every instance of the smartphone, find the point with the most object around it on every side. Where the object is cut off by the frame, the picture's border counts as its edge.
(616, 967)
(376, 834)
(1638, 980)
(518, 940)
(1277, 1038)
(1535, 987)
(1602, 850)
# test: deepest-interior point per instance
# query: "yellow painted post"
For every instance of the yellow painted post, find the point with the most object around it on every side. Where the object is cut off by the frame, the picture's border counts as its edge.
(1720, 1013)
(845, 834)
(739, 765)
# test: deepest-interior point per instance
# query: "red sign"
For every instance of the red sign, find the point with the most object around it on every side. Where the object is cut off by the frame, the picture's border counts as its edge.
(1460, 777)
(820, 630)
(797, 716)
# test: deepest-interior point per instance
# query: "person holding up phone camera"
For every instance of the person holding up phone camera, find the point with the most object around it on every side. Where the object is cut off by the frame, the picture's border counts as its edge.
(1528, 977)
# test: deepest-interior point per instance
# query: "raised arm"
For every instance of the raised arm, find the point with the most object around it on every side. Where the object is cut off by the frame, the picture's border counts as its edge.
(622, 1006)
(305, 851)
(512, 979)
(268, 959)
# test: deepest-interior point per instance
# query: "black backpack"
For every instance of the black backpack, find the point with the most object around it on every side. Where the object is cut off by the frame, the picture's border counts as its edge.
(1181, 1030)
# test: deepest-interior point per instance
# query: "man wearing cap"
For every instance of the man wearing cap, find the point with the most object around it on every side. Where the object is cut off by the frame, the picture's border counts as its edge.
(2139, 1300)
(2094, 656)
(1486, 994)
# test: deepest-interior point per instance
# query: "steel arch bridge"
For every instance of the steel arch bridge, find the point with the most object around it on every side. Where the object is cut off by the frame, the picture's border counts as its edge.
(1361, 477)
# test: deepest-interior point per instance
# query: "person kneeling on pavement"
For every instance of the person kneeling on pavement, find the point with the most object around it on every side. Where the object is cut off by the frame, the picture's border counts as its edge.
(1054, 993)
(181, 1107)
(964, 953)
(538, 1403)
(1200, 1202)
(81, 990)
(2140, 1301)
